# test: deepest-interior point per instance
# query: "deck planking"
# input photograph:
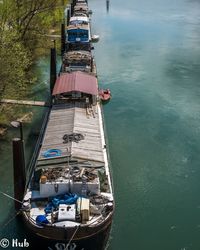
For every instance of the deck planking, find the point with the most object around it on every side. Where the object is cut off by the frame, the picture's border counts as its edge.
(73, 118)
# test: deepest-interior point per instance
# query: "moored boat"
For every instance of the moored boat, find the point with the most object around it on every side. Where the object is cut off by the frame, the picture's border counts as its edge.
(80, 60)
(69, 201)
(95, 38)
(105, 95)
(69, 198)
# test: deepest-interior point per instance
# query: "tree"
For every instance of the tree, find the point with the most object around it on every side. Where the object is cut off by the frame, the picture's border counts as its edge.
(14, 61)
(22, 22)
(30, 18)
(28, 14)
(23, 25)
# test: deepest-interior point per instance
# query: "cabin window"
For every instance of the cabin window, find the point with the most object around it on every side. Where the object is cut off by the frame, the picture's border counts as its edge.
(78, 34)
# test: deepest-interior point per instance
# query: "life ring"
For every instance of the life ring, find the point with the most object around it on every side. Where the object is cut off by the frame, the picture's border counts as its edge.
(52, 153)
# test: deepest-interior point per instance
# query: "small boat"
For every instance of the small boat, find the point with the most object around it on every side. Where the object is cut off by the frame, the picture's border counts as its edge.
(95, 38)
(104, 94)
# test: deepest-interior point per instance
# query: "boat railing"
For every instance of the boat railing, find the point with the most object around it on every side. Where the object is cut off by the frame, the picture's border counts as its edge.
(107, 146)
(33, 160)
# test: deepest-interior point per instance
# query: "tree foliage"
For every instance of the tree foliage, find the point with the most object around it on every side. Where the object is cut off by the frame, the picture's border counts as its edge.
(14, 61)
(23, 26)
(27, 11)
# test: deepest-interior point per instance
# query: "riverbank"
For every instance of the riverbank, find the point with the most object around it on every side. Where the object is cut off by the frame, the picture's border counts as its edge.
(11, 113)
(20, 84)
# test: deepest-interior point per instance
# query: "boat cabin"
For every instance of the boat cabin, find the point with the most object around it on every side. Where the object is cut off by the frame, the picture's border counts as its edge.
(81, 8)
(78, 33)
(76, 86)
(81, 2)
(75, 20)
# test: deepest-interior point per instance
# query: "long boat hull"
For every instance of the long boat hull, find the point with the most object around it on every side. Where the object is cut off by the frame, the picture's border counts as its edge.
(54, 238)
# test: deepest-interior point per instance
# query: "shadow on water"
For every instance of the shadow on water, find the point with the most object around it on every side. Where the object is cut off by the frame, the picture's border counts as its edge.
(107, 5)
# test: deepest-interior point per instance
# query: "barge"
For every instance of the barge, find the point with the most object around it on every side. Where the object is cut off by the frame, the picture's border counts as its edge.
(68, 201)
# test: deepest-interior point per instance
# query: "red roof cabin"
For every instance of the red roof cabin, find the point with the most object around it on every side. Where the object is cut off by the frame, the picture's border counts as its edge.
(76, 86)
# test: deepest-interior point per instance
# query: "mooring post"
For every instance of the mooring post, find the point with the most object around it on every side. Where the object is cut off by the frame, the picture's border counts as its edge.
(18, 171)
(62, 38)
(68, 15)
(52, 69)
(72, 8)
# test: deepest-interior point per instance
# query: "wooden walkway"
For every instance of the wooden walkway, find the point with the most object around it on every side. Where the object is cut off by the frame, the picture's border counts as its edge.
(24, 102)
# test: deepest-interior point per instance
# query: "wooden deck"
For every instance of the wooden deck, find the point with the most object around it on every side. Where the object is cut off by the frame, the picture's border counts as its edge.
(68, 119)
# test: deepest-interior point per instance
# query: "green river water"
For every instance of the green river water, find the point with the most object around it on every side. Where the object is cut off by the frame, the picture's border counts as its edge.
(149, 56)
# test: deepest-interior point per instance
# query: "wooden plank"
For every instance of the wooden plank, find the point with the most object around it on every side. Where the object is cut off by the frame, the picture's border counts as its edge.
(25, 102)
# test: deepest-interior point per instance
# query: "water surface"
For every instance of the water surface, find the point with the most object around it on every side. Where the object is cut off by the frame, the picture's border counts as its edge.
(149, 56)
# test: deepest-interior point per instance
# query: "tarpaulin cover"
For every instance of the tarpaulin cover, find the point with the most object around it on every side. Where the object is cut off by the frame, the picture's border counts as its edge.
(67, 199)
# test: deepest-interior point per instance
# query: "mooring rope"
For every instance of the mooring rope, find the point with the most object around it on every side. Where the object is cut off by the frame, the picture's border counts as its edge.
(68, 244)
(11, 197)
(16, 214)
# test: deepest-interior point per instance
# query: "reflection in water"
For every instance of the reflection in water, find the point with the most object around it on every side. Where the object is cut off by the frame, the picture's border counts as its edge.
(107, 5)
